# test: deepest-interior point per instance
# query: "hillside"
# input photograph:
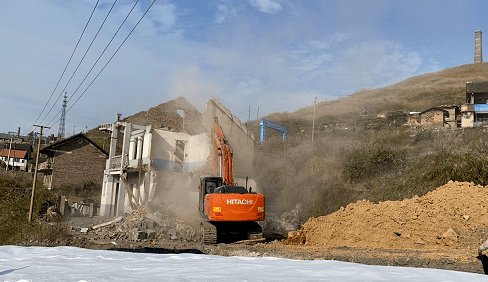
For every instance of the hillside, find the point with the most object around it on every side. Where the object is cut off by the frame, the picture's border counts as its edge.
(446, 87)
(360, 151)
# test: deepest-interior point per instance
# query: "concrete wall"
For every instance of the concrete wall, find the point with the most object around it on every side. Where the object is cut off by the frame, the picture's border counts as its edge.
(176, 160)
(241, 140)
(167, 170)
(197, 149)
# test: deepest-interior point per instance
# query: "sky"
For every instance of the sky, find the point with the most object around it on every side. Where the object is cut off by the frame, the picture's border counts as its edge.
(256, 56)
(24, 264)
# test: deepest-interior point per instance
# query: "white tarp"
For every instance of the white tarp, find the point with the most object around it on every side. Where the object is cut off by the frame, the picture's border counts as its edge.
(76, 264)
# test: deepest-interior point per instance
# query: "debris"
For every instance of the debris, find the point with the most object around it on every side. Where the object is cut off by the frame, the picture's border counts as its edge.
(151, 234)
(419, 241)
(450, 234)
(139, 235)
(279, 227)
(172, 233)
(108, 223)
(141, 224)
(483, 247)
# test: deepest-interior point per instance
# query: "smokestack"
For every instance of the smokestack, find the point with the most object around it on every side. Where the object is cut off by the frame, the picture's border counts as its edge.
(18, 133)
(478, 52)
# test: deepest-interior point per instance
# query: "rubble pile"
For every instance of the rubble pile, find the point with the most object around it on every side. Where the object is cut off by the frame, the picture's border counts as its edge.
(144, 224)
(280, 226)
(170, 225)
(166, 116)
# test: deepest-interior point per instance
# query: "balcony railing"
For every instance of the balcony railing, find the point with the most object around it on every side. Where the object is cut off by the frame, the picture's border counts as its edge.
(116, 162)
(45, 166)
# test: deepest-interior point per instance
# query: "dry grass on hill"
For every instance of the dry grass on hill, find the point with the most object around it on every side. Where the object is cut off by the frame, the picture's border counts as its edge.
(446, 87)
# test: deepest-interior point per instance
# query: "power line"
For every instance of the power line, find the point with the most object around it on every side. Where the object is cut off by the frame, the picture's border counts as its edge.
(121, 44)
(99, 57)
(84, 55)
(62, 74)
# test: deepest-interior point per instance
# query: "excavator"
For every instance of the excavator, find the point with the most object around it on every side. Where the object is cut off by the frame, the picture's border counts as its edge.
(229, 212)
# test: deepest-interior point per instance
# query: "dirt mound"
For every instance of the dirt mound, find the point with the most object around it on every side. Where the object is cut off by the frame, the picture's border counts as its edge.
(453, 216)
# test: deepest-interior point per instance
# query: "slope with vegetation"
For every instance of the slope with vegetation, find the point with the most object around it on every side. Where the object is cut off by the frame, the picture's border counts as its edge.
(363, 150)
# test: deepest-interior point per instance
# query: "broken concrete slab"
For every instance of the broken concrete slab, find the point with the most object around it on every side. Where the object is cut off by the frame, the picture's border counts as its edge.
(139, 235)
(108, 223)
(151, 234)
(172, 234)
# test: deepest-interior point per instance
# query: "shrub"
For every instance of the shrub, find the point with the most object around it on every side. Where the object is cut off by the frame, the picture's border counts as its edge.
(15, 198)
(365, 163)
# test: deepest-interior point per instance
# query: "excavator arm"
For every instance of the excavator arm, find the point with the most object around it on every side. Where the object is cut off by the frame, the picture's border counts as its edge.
(223, 165)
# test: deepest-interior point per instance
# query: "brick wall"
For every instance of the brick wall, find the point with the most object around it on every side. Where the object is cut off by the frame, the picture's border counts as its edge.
(433, 118)
(83, 163)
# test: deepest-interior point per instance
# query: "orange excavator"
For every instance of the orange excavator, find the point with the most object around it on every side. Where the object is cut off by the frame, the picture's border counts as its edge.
(229, 211)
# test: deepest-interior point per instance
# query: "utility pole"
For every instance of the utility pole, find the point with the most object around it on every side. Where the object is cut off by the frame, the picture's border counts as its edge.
(313, 121)
(9, 149)
(35, 171)
(249, 113)
(257, 115)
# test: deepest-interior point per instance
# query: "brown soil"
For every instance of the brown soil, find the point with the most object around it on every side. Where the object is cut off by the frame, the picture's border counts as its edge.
(452, 217)
(447, 224)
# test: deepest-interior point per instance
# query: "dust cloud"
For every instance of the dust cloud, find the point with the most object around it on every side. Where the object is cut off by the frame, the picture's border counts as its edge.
(178, 193)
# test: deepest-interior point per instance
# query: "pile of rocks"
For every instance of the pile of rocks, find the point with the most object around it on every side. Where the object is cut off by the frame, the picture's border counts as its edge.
(146, 224)
(279, 227)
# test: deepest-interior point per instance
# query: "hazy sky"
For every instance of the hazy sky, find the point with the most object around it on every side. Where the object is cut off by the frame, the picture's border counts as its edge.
(273, 54)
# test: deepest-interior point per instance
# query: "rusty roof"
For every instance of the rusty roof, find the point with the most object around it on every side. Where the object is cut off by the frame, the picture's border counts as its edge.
(13, 153)
(477, 87)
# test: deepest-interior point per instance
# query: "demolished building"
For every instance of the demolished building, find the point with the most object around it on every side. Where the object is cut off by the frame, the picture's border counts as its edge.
(155, 159)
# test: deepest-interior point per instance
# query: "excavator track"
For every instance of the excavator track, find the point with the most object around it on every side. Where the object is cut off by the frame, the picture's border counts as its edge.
(209, 232)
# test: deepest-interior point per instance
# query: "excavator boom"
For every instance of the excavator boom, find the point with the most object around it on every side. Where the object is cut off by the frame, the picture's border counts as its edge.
(223, 165)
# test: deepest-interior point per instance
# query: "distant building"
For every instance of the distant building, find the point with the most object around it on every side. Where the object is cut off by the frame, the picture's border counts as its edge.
(475, 111)
(17, 155)
(12, 136)
(440, 117)
(74, 160)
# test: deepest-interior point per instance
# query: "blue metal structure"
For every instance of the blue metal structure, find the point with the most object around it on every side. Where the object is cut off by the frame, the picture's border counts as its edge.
(266, 123)
(481, 108)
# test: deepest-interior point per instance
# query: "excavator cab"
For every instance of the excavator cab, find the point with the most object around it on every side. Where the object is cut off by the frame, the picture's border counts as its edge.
(207, 186)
